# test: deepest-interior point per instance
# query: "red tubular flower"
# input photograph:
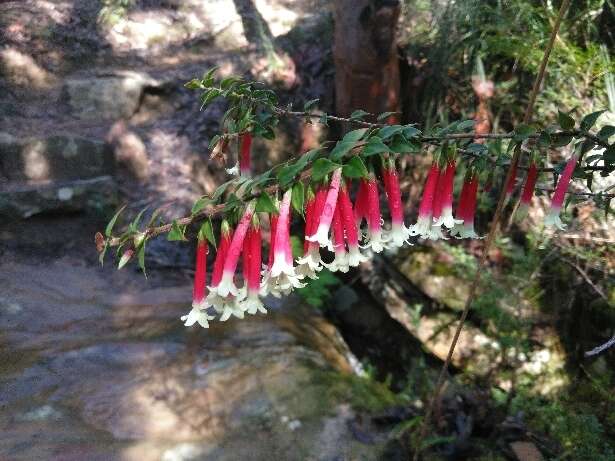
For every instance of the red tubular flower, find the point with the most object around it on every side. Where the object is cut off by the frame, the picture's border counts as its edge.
(528, 190)
(252, 269)
(423, 226)
(282, 278)
(464, 227)
(227, 286)
(310, 263)
(360, 207)
(375, 240)
(399, 232)
(350, 228)
(321, 235)
(226, 235)
(198, 313)
(445, 195)
(340, 263)
(510, 185)
(552, 218)
(244, 155)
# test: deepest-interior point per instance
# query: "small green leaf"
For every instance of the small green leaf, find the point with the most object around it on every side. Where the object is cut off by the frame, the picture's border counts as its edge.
(220, 190)
(590, 120)
(208, 77)
(561, 140)
(346, 144)
(134, 226)
(324, 120)
(544, 139)
(200, 204)
(389, 131)
(606, 132)
(176, 233)
(194, 84)
(141, 257)
(401, 145)
(208, 96)
(565, 120)
(101, 255)
(374, 146)
(322, 167)
(265, 204)
(109, 228)
(298, 197)
(355, 168)
(477, 149)
(354, 135)
(308, 105)
(207, 231)
(228, 82)
(359, 115)
(522, 132)
(287, 174)
(383, 116)
(466, 125)
(411, 132)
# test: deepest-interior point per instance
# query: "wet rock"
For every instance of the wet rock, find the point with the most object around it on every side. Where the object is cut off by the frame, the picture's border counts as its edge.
(25, 199)
(115, 374)
(106, 96)
(56, 158)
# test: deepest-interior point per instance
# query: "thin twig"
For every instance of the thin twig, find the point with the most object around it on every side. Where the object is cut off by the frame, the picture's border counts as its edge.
(491, 237)
(599, 349)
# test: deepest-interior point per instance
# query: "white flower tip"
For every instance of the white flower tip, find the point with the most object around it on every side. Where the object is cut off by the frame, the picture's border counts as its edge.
(552, 219)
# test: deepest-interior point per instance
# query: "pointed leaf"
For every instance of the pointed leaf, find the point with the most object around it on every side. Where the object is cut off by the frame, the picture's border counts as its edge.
(565, 120)
(355, 168)
(322, 167)
(265, 204)
(176, 233)
(590, 120)
(298, 197)
(109, 228)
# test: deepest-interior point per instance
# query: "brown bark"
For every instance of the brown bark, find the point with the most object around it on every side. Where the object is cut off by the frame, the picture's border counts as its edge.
(365, 54)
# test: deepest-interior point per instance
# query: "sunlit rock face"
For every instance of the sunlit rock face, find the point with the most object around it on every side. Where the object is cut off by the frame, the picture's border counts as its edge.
(106, 97)
(101, 368)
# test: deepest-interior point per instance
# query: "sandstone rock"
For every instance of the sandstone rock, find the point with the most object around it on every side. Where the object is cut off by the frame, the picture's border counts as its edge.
(97, 388)
(25, 199)
(57, 158)
(23, 72)
(107, 96)
(129, 151)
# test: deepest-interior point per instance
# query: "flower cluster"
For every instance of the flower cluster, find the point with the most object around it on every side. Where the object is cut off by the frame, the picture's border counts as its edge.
(333, 224)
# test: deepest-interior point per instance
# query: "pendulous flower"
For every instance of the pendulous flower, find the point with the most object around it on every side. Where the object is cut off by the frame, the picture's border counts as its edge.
(355, 257)
(399, 232)
(282, 278)
(340, 263)
(466, 209)
(311, 263)
(375, 238)
(225, 305)
(252, 269)
(198, 314)
(528, 190)
(552, 218)
(325, 217)
(423, 227)
(445, 201)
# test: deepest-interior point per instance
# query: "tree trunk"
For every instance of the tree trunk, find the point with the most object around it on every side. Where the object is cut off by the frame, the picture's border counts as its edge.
(365, 54)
